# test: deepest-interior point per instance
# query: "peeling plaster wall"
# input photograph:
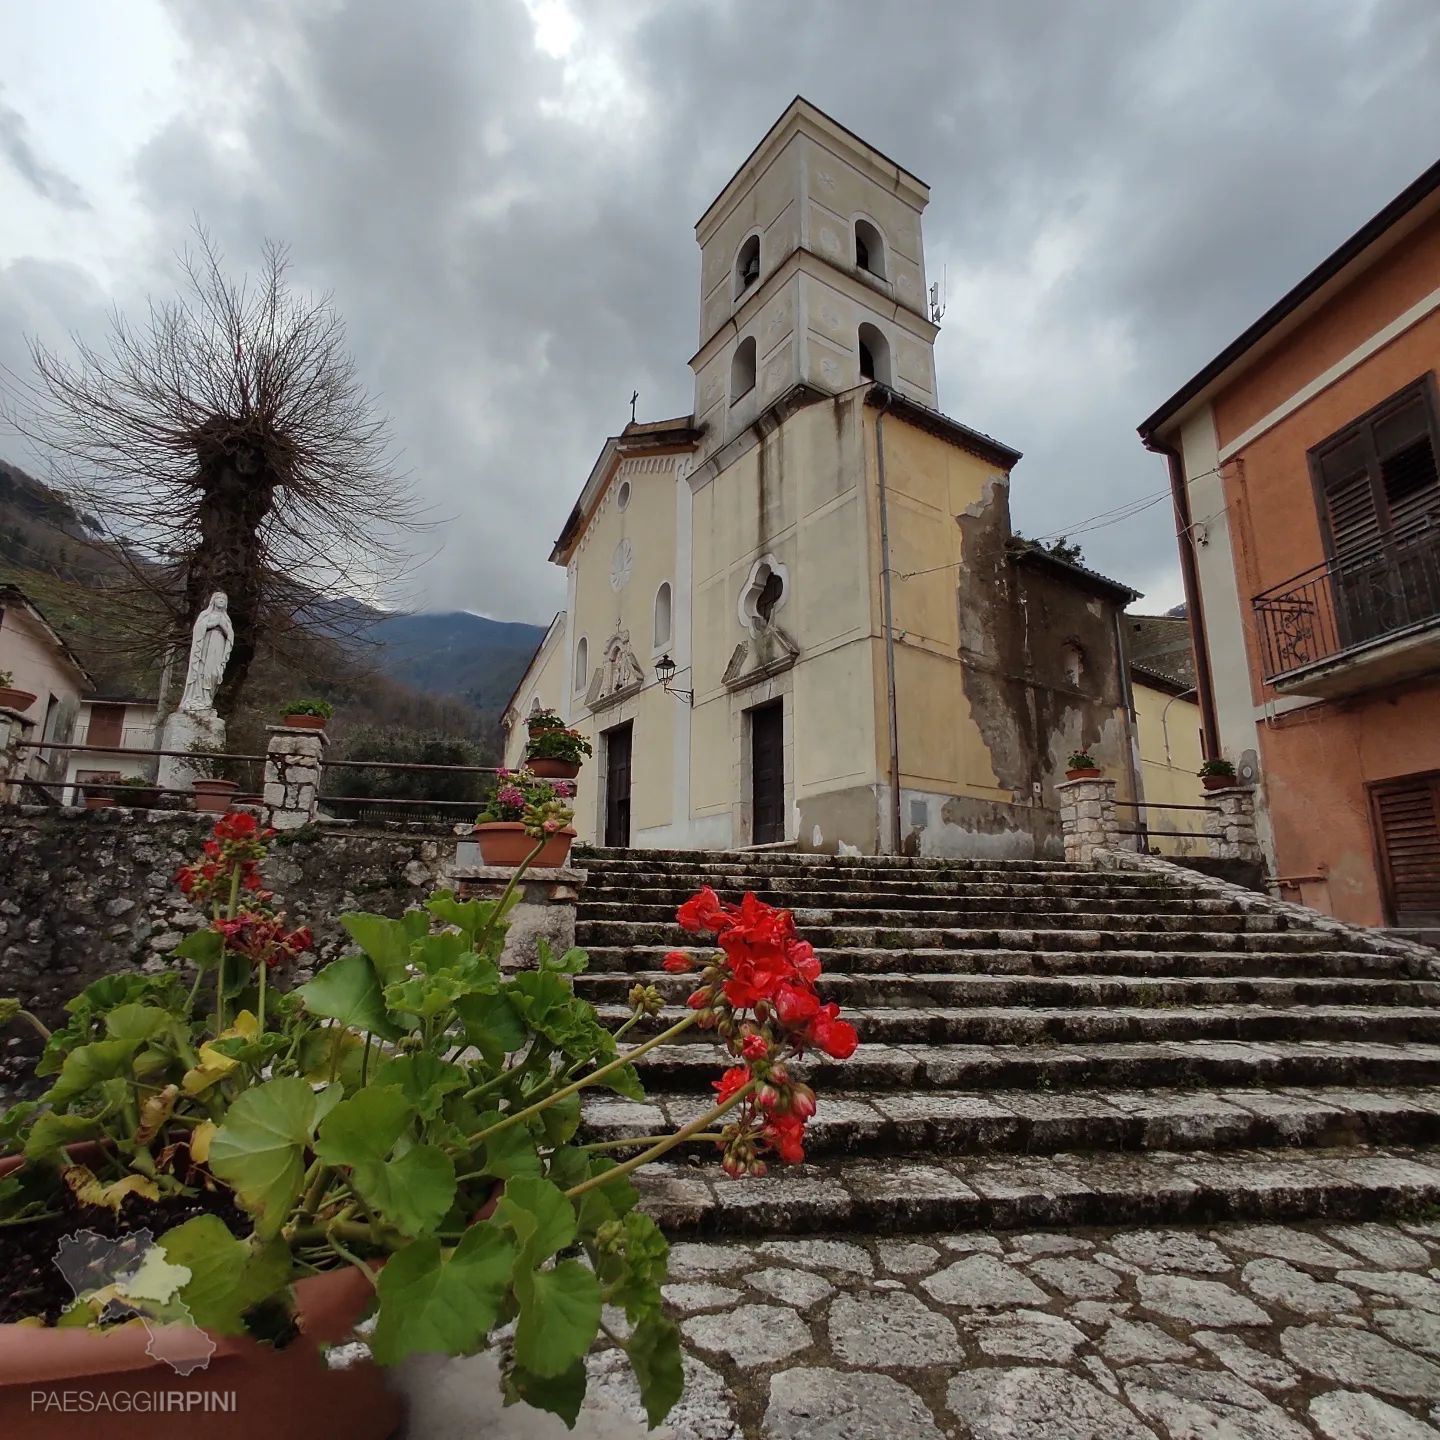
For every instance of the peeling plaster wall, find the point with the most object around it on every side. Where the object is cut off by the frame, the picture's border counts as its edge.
(987, 709)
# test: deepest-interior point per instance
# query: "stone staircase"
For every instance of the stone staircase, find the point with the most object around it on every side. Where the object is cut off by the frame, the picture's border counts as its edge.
(1043, 1044)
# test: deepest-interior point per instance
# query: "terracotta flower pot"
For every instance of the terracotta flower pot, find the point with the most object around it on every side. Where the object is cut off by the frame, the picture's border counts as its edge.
(99, 802)
(504, 842)
(1218, 782)
(1092, 773)
(543, 727)
(213, 797)
(305, 722)
(553, 769)
(13, 699)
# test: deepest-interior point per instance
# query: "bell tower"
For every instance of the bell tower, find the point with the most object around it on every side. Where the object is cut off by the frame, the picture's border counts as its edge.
(812, 272)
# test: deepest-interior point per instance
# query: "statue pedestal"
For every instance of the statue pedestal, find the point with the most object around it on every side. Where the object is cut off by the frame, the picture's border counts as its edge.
(185, 730)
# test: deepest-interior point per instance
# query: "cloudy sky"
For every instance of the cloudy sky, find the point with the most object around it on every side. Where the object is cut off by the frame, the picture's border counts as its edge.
(501, 195)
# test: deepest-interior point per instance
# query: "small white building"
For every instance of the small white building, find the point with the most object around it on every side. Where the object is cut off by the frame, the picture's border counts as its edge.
(116, 724)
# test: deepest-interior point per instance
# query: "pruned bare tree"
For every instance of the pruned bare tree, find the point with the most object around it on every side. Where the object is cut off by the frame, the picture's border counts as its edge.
(228, 444)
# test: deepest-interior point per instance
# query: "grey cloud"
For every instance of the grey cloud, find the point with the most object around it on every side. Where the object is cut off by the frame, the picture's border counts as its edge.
(1117, 190)
(44, 179)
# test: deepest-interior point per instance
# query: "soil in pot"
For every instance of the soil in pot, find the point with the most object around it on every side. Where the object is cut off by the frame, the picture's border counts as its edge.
(504, 842)
(554, 769)
(305, 722)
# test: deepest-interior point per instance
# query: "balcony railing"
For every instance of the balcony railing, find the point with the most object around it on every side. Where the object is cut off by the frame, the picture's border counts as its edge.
(1349, 604)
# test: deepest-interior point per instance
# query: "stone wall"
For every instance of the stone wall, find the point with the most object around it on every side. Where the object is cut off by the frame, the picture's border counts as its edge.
(87, 893)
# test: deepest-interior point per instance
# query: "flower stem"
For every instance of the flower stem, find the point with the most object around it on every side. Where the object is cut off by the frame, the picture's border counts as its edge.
(498, 913)
(264, 969)
(34, 1022)
(687, 1132)
(354, 1259)
(593, 1078)
(633, 1140)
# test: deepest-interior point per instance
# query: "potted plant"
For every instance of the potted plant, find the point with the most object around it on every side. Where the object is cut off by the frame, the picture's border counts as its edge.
(555, 754)
(539, 721)
(10, 697)
(100, 791)
(307, 714)
(258, 1170)
(1081, 766)
(520, 811)
(214, 791)
(1217, 774)
(137, 792)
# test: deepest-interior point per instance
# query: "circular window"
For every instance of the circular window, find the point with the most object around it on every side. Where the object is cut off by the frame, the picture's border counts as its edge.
(622, 498)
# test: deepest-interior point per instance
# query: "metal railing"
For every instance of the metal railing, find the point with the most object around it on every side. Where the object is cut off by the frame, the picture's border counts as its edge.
(430, 793)
(247, 770)
(1349, 603)
(1143, 832)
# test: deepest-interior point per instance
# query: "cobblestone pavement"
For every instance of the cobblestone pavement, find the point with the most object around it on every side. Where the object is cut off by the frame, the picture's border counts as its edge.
(1229, 1331)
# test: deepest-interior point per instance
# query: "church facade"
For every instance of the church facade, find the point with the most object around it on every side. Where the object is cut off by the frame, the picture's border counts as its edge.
(798, 614)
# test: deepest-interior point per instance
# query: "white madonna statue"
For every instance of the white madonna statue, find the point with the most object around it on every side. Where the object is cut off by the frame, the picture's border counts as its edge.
(211, 641)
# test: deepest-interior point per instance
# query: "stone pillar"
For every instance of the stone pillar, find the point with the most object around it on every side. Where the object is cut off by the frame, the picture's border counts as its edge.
(1230, 824)
(13, 726)
(1087, 818)
(293, 760)
(545, 908)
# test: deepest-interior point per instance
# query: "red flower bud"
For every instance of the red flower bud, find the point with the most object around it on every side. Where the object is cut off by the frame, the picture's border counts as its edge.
(677, 962)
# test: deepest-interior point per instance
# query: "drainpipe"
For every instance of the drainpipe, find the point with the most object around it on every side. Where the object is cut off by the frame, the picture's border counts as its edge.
(888, 613)
(1194, 606)
(1132, 742)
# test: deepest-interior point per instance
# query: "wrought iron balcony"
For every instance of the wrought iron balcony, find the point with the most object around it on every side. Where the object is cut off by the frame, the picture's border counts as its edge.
(1354, 622)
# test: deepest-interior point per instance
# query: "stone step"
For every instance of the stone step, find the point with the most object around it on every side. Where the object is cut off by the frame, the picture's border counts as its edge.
(1090, 882)
(1069, 991)
(947, 1123)
(886, 1196)
(834, 938)
(1171, 962)
(812, 922)
(903, 1023)
(1126, 1065)
(762, 860)
(606, 902)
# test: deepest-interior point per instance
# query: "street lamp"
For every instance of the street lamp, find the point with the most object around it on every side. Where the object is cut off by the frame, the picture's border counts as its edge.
(665, 669)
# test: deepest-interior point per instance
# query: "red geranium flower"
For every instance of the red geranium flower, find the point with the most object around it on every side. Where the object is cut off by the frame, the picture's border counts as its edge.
(677, 962)
(702, 913)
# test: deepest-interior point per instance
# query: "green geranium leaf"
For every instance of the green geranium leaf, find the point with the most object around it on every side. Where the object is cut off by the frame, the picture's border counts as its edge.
(654, 1350)
(88, 1065)
(619, 1191)
(260, 1149)
(424, 1079)
(387, 942)
(445, 950)
(561, 1120)
(413, 1191)
(347, 990)
(201, 946)
(227, 1275)
(491, 1025)
(470, 917)
(625, 1081)
(51, 1133)
(640, 1268)
(561, 1395)
(541, 1217)
(572, 962)
(137, 1022)
(559, 1317)
(425, 996)
(511, 1153)
(429, 1303)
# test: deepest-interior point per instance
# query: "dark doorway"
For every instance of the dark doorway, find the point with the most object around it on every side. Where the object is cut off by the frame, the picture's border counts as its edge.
(617, 784)
(767, 772)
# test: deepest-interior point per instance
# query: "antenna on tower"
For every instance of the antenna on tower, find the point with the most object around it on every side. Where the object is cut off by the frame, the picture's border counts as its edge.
(937, 296)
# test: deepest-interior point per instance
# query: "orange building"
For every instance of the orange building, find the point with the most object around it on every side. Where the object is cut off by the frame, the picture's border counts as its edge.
(1303, 466)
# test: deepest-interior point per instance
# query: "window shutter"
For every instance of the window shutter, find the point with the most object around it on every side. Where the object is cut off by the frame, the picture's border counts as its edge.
(1355, 529)
(1407, 816)
(1408, 476)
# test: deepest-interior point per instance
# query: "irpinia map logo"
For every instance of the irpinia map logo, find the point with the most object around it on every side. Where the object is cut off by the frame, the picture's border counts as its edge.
(131, 1277)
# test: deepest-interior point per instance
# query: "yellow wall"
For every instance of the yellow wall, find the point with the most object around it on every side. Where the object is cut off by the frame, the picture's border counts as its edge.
(600, 610)
(546, 681)
(1169, 736)
(928, 483)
